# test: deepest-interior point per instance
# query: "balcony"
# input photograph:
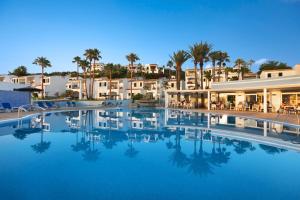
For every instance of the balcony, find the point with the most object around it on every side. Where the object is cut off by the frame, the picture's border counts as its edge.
(279, 83)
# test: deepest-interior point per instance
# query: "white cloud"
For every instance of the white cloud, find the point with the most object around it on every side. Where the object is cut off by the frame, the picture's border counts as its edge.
(261, 61)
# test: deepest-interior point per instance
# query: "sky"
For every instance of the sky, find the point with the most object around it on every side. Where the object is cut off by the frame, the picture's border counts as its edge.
(153, 29)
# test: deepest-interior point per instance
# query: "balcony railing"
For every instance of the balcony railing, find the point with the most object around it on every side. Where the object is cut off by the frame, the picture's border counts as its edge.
(282, 82)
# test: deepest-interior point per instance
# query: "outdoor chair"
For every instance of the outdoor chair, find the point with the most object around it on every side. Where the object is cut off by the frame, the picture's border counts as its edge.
(42, 105)
(8, 108)
(240, 107)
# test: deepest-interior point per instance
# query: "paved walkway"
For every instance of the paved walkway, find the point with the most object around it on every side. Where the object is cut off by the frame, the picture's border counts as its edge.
(292, 119)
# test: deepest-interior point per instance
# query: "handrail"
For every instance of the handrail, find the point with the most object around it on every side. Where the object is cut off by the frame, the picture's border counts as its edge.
(22, 108)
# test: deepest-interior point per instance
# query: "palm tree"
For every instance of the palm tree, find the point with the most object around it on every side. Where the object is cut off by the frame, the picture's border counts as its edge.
(226, 71)
(92, 55)
(222, 58)
(208, 76)
(43, 63)
(239, 63)
(77, 60)
(204, 49)
(132, 58)
(84, 66)
(170, 65)
(213, 56)
(194, 53)
(89, 55)
(110, 68)
(179, 58)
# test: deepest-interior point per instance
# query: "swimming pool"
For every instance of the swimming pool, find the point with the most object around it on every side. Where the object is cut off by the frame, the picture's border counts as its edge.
(147, 154)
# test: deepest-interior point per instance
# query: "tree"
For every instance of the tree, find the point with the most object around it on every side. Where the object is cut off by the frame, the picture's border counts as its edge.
(20, 71)
(226, 72)
(92, 55)
(179, 58)
(222, 58)
(239, 63)
(170, 65)
(77, 60)
(43, 63)
(208, 76)
(273, 65)
(84, 66)
(213, 56)
(132, 58)
(194, 53)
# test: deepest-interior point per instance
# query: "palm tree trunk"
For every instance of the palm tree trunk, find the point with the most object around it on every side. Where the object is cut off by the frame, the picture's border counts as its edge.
(110, 84)
(43, 82)
(219, 72)
(77, 72)
(178, 69)
(131, 79)
(85, 84)
(201, 71)
(214, 71)
(196, 83)
(93, 81)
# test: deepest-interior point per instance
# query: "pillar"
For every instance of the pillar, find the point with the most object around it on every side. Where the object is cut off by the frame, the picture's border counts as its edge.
(166, 99)
(80, 90)
(208, 100)
(265, 105)
(265, 129)
(208, 120)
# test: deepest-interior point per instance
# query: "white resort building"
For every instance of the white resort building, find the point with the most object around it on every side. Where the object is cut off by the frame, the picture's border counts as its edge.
(274, 89)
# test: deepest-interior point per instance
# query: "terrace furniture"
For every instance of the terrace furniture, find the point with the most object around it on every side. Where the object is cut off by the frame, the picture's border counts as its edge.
(240, 107)
(51, 105)
(8, 107)
(214, 106)
(42, 105)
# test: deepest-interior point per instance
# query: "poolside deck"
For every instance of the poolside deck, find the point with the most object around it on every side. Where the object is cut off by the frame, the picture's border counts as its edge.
(286, 118)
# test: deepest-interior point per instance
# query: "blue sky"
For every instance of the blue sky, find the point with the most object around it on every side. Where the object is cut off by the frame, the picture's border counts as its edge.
(60, 30)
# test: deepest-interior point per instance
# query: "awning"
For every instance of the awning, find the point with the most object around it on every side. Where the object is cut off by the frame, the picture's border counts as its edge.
(28, 89)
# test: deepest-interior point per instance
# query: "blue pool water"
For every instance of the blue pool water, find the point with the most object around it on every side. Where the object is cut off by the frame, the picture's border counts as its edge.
(147, 154)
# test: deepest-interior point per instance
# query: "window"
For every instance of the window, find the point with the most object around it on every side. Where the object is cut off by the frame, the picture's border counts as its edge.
(104, 83)
(172, 85)
(280, 74)
(141, 84)
(134, 84)
(269, 75)
(100, 84)
(69, 86)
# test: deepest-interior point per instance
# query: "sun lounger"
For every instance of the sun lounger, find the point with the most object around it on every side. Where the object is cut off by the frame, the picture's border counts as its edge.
(8, 107)
(42, 105)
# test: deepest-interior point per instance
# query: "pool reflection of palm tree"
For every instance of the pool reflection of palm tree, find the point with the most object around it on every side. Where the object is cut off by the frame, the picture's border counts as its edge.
(91, 153)
(200, 161)
(271, 149)
(241, 147)
(109, 142)
(81, 145)
(220, 155)
(178, 158)
(42, 146)
(131, 152)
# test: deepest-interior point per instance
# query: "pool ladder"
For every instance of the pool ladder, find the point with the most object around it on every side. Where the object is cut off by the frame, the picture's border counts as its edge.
(30, 106)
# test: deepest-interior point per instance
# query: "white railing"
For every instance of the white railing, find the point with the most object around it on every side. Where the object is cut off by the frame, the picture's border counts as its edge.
(22, 108)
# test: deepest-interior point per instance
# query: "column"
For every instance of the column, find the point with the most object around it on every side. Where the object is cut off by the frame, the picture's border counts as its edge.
(265, 129)
(166, 99)
(265, 106)
(80, 90)
(208, 100)
(208, 120)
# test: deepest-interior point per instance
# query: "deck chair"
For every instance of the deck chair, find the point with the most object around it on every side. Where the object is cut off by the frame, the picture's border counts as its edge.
(42, 105)
(8, 107)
